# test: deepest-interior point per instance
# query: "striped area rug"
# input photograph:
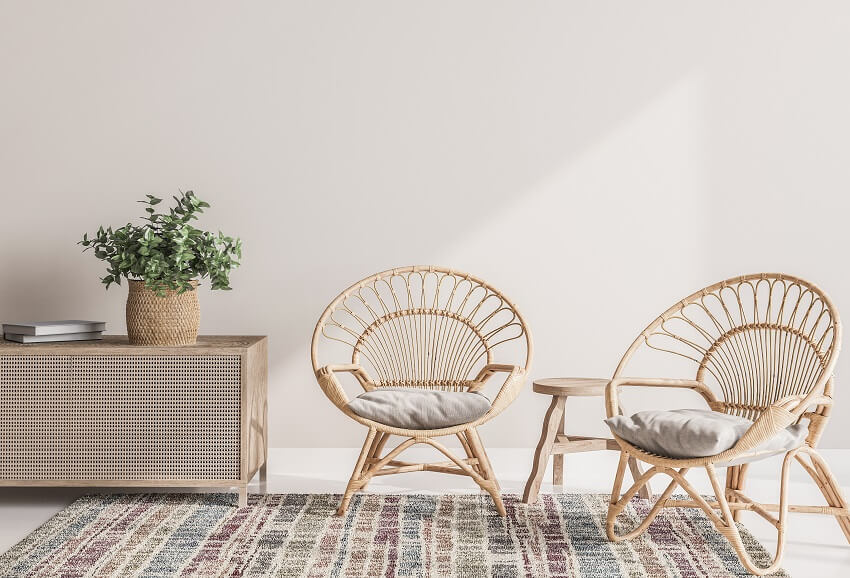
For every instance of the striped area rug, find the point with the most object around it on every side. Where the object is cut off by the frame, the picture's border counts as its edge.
(165, 535)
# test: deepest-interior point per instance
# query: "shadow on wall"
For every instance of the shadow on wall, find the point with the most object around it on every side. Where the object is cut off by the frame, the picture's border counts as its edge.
(557, 150)
(417, 149)
(519, 185)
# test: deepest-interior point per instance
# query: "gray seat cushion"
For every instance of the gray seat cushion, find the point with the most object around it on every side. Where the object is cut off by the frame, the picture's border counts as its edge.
(411, 408)
(696, 433)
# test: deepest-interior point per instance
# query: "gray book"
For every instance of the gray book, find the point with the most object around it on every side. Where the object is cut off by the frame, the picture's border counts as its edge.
(86, 336)
(54, 327)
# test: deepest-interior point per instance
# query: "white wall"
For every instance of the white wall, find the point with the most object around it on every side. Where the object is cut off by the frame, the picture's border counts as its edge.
(595, 160)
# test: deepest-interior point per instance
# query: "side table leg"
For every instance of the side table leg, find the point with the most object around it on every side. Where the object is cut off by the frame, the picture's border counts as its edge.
(558, 458)
(243, 496)
(544, 448)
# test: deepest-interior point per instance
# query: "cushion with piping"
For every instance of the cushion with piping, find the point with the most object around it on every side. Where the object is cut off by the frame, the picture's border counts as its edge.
(412, 408)
(696, 433)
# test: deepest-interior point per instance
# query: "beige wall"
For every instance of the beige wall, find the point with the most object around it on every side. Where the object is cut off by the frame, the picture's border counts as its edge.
(597, 161)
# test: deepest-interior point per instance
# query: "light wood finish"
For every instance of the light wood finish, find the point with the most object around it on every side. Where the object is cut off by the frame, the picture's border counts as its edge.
(555, 443)
(571, 386)
(422, 327)
(558, 459)
(111, 414)
(255, 425)
(735, 478)
(764, 347)
(479, 450)
(574, 444)
(120, 345)
(551, 423)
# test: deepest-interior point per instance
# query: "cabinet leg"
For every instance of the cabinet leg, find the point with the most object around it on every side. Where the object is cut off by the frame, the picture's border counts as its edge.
(243, 496)
(264, 478)
(264, 469)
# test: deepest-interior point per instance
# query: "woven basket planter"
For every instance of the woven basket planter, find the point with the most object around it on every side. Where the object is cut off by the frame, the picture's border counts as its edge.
(170, 320)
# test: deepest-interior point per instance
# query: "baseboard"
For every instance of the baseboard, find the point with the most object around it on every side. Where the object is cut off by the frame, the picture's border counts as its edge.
(515, 463)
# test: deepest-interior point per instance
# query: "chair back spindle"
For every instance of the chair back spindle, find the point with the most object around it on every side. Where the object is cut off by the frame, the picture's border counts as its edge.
(753, 339)
(422, 327)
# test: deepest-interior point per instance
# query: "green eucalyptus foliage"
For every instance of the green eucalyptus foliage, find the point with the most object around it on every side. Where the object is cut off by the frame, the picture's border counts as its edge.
(166, 252)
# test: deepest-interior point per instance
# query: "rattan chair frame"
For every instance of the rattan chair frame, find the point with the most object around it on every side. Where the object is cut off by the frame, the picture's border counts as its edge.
(798, 339)
(401, 360)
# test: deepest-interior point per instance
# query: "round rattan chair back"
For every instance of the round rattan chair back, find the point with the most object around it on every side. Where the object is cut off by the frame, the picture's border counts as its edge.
(423, 326)
(753, 339)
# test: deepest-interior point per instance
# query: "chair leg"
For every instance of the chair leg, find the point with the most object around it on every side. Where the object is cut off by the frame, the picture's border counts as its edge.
(828, 485)
(480, 452)
(618, 503)
(378, 445)
(726, 524)
(615, 496)
(645, 491)
(487, 485)
(468, 449)
(374, 453)
(735, 480)
(355, 483)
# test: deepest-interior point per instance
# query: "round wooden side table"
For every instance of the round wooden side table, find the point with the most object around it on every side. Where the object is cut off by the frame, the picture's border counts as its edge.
(553, 440)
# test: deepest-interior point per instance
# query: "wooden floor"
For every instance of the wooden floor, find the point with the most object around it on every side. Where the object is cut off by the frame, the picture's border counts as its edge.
(815, 545)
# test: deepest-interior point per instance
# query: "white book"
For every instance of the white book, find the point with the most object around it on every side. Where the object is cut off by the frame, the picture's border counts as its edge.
(54, 327)
(87, 336)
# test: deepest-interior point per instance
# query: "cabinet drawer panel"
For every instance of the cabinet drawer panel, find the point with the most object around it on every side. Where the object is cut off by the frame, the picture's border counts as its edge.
(34, 394)
(139, 418)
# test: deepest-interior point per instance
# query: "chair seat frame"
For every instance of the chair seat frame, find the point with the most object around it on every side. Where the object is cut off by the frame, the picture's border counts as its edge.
(730, 500)
(373, 460)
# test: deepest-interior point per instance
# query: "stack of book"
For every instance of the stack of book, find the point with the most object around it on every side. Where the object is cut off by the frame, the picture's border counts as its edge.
(46, 331)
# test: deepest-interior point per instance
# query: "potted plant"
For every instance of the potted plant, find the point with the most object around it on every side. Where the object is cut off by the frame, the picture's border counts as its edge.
(163, 259)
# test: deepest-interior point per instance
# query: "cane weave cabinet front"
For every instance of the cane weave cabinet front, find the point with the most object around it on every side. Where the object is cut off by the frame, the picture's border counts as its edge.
(112, 414)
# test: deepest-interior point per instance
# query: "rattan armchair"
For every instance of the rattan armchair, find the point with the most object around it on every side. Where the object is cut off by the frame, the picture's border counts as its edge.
(422, 328)
(763, 347)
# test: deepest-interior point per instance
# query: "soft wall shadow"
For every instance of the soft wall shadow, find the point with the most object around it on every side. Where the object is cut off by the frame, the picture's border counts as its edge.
(338, 140)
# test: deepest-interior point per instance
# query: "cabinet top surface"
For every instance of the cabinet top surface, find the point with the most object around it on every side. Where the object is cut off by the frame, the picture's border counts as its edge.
(118, 344)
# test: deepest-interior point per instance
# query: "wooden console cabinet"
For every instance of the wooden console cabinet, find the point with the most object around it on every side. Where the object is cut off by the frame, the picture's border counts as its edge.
(106, 413)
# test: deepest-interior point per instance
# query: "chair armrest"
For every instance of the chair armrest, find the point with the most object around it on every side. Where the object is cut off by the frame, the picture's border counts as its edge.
(508, 391)
(799, 403)
(489, 371)
(330, 385)
(352, 368)
(612, 399)
(771, 421)
(778, 416)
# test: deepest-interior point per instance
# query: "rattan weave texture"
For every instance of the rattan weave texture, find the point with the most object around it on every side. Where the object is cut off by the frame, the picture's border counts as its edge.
(173, 319)
(65, 417)
(422, 327)
(762, 346)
